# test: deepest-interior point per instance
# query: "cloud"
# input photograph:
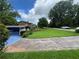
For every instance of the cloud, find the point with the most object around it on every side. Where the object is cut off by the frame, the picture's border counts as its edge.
(76, 1)
(41, 9)
(30, 17)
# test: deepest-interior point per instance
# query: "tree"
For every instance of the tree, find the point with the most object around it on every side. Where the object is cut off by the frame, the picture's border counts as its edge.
(52, 23)
(76, 15)
(7, 15)
(42, 22)
(8, 20)
(3, 37)
(62, 13)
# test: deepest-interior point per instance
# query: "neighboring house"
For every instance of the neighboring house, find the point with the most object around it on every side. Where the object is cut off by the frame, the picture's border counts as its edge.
(22, 23)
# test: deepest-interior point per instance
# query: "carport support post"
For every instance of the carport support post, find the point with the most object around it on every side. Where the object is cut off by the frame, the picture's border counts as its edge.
(19, 31)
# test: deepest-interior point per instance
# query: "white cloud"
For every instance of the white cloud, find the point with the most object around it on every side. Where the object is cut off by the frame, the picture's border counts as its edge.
(41, 9)
(76, 1)
(30, 17)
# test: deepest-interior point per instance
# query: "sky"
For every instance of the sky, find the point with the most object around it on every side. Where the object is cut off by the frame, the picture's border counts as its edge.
(32, 10)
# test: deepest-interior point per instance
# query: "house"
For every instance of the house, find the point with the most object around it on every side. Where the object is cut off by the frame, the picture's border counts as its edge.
(23, 23)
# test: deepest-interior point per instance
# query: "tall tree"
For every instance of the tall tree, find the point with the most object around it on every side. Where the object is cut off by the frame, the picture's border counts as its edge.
(61, 13)
(7, 15)
(42, 22)
(76, 15)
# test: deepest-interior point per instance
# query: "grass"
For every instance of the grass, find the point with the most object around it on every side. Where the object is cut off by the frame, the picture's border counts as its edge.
(48, 33)
(71, 54)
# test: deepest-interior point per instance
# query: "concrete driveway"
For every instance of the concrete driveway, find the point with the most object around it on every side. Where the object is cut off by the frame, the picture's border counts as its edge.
(61, 43)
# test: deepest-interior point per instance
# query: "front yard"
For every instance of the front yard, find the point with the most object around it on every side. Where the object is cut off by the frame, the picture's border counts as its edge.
(71, 54)
(46, 33)
(49, 33)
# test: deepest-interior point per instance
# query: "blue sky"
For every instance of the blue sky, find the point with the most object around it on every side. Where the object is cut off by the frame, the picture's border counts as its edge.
(22, 4)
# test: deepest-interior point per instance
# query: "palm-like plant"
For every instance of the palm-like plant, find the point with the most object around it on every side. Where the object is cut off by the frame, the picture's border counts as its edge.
(7, 15)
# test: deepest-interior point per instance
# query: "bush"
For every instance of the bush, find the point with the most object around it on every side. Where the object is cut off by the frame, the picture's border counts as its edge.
(3, 37)
(77, 30)
(42, 22)
(22, 32)
(26, 34)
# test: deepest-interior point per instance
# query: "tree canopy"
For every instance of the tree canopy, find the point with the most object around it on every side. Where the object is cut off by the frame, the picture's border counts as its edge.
(64, 13)
(7, 15)
(42, 22)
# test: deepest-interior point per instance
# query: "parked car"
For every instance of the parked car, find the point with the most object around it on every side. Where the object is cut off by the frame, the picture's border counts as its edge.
(77, 30)
(65, 27)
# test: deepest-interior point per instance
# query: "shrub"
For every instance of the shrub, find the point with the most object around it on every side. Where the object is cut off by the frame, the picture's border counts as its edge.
(77, 30)
(3, 37)
(22, 32)
(42, 22)
(27, 33)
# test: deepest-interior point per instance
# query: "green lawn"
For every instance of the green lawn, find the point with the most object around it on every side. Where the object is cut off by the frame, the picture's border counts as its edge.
(72, 54)
(48, 33)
